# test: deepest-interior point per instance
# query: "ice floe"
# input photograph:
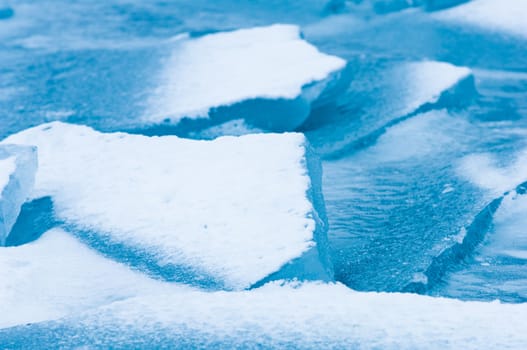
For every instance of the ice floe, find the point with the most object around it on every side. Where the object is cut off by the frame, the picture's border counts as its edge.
(222, 76)
(227, 213)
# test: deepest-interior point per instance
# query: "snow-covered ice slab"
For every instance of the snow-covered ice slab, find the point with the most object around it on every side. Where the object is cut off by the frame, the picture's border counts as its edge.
(18, 165)
(268, 76)
(505, 16)
(57, 275)
(228, 213)
(384, 95)
(309, 316)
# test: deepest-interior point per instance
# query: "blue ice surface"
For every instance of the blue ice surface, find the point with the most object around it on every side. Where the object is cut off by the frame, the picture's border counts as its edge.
(387, 6)
(6, 12)
(18, 187)
(496, 269)
(395, 200)
(396, 207)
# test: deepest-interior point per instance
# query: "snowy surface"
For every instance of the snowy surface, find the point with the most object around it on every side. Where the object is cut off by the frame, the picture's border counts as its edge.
(18, 165)
(57, 275)
(507, 16)
(236, 209)
(297, 316)
(428, 80)
(225, 68)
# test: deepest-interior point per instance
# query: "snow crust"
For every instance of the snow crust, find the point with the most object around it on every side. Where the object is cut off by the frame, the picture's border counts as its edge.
(236, 209)
(225, 68)
(18, 166)
(310, 316)
(57, 275)
(506, 16)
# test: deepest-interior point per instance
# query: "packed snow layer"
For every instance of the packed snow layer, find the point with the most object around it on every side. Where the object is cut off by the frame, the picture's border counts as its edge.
(229, 212)
(506, 16)
(224, 69)
(304, 316)
(372, 104)
(57, 275)
(18, 165)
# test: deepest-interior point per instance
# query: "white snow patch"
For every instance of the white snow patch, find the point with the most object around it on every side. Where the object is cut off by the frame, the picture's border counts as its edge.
(57, 275)
(310, 315)
(507, 16)
(427, 80)
(224, 68)
(484, 171)
(236, 208)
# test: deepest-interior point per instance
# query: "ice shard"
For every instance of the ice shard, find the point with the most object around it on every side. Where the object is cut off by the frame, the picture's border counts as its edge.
(18, 165)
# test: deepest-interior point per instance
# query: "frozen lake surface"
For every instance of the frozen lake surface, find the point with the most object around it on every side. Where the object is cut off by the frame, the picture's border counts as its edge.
(214, 168)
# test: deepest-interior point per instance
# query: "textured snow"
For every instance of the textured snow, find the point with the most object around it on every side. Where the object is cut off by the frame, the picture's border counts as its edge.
(311, 316)
(57, 275)
(17, 173)
(234, 208)
(428, 80)
(507, 16)
(225, 68)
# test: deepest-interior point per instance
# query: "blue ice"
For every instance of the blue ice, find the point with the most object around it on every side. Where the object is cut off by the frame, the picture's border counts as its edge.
(18, 165)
